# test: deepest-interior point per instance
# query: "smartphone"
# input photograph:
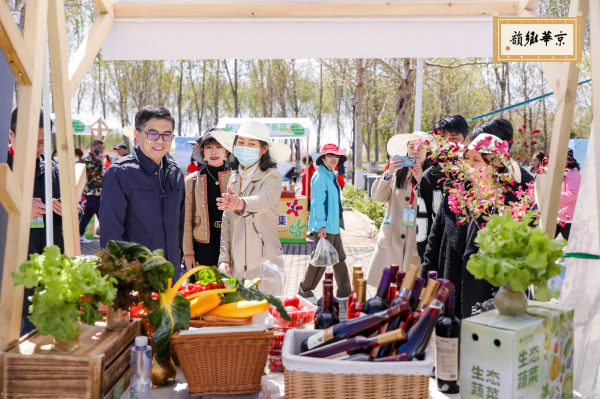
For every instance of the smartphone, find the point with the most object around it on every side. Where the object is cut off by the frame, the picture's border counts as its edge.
(407, 160)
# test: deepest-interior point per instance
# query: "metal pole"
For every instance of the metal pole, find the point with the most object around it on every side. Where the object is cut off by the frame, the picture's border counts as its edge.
(353, 98)
(49, 224)
(419, 95)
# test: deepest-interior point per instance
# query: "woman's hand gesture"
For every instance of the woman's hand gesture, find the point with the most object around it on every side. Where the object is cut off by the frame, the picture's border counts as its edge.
(417, 172)
(394, 165)
(230, 201)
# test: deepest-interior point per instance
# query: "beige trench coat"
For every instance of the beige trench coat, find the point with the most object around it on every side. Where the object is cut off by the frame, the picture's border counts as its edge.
(250, 239)
(396, 244)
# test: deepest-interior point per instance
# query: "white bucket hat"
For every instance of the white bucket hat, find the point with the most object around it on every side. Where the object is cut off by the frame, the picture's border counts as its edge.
(128, 131)
(398, 144)
(513, 166)
(252, 129)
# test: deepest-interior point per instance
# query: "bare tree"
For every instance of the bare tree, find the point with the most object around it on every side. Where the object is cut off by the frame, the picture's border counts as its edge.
(405, 93)
(199, 105)
(233, 84)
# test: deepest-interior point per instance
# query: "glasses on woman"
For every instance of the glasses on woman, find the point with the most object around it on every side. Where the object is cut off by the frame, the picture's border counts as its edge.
(156, 135)
(332, 156)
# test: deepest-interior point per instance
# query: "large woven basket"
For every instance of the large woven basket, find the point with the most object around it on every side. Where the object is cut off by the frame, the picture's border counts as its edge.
(312, 378)
(223, 364)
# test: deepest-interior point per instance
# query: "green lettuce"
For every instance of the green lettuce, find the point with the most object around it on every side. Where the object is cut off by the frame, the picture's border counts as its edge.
(59, 283)
(514, 253)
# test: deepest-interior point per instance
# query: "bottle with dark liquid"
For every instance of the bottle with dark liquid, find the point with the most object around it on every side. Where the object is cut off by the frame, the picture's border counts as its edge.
(430, 290)
(336, 304)
(320, 303)
(416, 291)
(406, 286)
(352, 298)
(328, 317)
(418, 337)
(393, 288)
(361, 297)
(364, 326)
(379, 301)
(447, 348)
(432, 274)
(359, 344)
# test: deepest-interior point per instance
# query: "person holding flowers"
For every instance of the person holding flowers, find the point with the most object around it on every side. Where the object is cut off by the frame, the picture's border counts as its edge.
(487, 181)
(397, 239)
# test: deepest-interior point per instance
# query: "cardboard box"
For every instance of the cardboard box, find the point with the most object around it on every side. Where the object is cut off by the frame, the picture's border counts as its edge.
(507, 357)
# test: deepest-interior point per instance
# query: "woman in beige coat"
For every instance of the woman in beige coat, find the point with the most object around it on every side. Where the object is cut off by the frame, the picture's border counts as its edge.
(397, 239)
(251, 204)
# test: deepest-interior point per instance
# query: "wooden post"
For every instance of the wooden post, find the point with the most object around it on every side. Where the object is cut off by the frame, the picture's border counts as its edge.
(28, 122)
(595, 47)
(561, 132)
(61, 91)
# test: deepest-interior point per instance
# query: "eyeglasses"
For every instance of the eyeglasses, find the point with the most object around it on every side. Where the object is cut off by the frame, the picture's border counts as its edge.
(332, 156)
(155, 135)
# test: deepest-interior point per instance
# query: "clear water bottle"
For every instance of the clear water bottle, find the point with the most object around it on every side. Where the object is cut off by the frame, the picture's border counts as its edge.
(141, 369)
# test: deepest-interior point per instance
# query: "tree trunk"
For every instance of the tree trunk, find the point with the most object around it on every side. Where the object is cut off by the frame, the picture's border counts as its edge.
(404, 98)
(216, 103)
(180, 99)
(234, 86)
(320, 114)
(358, 117)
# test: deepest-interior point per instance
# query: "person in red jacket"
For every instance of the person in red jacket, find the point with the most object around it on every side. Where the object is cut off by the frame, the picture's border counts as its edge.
(311, 170)
(341, 178)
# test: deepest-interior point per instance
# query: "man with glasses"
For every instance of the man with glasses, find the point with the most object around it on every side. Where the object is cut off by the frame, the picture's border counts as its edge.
(454, 129)
(143, 198)
(93, 188)
(40, 208)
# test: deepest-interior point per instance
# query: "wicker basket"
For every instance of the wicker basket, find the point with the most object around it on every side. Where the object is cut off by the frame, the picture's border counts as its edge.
(307, 378)
(223, 364)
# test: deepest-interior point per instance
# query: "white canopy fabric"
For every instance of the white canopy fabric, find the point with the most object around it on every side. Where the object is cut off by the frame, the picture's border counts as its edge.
(85, 124)
(177, 38)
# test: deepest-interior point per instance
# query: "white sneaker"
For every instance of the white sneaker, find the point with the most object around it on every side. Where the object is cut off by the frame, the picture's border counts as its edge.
(313, 299)
(84, 240)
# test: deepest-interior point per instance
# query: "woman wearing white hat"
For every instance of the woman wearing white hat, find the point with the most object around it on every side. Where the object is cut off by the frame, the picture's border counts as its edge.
(251, 203)
(397, 239)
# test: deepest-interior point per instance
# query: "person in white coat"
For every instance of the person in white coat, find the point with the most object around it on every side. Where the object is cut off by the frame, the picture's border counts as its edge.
(397, 239)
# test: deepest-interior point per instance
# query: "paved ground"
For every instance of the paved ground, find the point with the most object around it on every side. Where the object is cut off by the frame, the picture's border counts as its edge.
(358, 244)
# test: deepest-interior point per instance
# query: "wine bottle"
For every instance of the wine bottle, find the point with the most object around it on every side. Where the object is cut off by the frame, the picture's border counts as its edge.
(358, 274)
(399, 279)
(416, 291)
(407, 284)
(428, 295)
(393, 325)
(418, 337)
(365, 357)
(327, 318)
(447, 348)
(352, 328)
(361, 298)
(359, 344)
(393, 287)
(379, 301)
(432, 274)
(335, 301)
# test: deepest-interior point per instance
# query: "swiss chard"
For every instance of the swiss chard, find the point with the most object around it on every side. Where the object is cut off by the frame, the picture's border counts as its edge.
(252, 293)
(168, 318)
(60, 283)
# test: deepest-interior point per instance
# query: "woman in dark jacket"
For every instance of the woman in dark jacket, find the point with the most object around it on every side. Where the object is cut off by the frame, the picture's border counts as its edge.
(450, 246)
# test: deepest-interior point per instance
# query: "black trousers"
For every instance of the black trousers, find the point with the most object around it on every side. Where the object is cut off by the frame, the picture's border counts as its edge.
(565, 231)
(92, 207)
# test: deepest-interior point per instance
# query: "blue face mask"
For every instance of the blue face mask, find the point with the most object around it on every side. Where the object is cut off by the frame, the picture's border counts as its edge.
(246, 155)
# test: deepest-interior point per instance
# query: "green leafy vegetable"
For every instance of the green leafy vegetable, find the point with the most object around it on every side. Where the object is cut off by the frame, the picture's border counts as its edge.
(516, 254)
(168, 318)
(59, 283)
(235, 296)
(252, 294)
(159, 271)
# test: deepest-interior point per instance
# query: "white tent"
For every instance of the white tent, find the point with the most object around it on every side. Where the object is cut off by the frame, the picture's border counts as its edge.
(203, 29)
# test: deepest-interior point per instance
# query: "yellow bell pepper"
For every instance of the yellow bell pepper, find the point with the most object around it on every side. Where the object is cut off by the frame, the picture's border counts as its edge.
(239, 310)
(204, 304)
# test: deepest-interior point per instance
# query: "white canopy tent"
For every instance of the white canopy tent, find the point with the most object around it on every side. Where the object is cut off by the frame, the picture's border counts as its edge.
(325, 29)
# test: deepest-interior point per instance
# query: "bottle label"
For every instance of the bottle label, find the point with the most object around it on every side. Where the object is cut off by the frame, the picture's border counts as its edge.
(319, 338)
(446, 358)
(339, 356)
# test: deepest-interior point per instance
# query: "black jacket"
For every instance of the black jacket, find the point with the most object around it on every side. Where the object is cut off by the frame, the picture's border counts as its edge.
(136, 206)
(37, 236)
(430, 190)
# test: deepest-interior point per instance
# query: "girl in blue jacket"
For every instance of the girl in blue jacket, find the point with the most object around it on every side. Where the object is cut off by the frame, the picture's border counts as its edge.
(326, 219)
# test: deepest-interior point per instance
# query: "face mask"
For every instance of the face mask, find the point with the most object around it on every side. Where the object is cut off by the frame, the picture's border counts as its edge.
(246, 155)
(55, 159)
(76, 159)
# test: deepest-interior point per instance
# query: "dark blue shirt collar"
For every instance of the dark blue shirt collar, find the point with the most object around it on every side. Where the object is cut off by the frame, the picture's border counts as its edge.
(146, 163)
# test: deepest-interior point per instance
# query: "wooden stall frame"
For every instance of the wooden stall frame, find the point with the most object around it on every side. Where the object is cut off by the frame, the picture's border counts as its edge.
(25, 55)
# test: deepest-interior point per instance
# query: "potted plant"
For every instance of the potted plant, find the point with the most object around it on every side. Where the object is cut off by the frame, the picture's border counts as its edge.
(514, 255)
(66, 293)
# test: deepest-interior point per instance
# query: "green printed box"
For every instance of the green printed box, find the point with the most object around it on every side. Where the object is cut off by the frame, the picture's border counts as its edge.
(518, 357)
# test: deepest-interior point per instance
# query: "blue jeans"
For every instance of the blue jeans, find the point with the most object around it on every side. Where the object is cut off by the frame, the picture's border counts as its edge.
(91, 208)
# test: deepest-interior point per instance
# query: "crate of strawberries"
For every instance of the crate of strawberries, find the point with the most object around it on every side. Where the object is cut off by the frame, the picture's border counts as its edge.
(299, 309)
